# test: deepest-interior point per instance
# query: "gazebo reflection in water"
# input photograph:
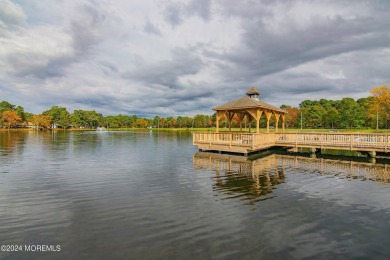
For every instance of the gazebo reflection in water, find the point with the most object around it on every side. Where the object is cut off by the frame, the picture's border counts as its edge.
(256, 176)
(238, 176)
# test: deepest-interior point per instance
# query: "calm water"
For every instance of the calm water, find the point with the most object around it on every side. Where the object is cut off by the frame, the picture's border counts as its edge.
(150, 195)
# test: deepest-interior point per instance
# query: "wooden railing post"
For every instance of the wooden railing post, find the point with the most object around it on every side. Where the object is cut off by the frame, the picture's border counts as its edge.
(352, 136)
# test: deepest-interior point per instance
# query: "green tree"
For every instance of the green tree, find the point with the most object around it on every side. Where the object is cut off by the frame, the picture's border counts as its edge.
(313, 116)
(59, 116)
(86, 118)
(330, 117)
(351, 114)
(64, 120)
(5, 105)
(308, 103)
(111, 122)
(156, 122)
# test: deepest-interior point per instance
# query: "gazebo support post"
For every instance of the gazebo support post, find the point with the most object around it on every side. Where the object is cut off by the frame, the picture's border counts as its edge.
(256, 114)
(283, 118)
(219, 115)
(277, 116)
(230, 116)
(268, 116)
(241, 118)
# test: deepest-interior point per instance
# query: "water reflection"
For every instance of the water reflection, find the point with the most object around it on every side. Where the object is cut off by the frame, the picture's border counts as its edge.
(11, 142)
(237, 176)
(250, 178)
(341, 168)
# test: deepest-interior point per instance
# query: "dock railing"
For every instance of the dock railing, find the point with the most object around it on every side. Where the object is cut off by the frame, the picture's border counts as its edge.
(247, 142)
(345, 141)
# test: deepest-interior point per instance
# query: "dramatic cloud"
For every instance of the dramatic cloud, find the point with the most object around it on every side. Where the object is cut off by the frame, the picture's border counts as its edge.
(171, 57)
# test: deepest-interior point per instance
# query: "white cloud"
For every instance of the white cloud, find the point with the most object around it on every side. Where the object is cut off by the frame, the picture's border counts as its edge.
(11, 14)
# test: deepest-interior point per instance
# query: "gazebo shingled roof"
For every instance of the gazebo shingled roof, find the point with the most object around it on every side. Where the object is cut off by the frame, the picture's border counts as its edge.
(247, 102)
(250, 107)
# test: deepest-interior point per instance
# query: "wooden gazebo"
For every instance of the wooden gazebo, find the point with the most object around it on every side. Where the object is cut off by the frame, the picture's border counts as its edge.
(249, 108)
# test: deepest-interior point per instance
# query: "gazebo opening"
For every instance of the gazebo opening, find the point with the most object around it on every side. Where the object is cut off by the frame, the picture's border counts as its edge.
(249, 108)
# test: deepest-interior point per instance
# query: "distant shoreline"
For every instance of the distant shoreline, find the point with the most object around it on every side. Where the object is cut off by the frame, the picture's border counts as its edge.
(198, 130)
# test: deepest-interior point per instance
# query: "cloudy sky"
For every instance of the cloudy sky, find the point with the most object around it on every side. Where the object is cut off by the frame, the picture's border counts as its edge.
(170, 58)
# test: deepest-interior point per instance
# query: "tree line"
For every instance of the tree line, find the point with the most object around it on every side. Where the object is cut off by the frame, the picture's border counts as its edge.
(370, 112)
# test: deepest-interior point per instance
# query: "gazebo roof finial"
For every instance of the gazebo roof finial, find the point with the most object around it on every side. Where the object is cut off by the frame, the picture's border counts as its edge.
(253, 92)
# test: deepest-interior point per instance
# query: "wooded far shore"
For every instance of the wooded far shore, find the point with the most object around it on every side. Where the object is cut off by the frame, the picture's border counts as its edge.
(372, 112)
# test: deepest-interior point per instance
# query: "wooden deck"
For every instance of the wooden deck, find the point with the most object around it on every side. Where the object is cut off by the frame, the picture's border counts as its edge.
(250, 142)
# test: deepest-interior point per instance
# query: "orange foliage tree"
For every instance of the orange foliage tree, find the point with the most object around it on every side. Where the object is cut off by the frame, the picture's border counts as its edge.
(292, 116)
(41, 121)
(10, 117)
(140, 123)
(381, 103)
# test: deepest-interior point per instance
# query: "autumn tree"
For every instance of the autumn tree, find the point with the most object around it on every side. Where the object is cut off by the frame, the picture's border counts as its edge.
(292, 116)
(381, 104)
(141, 123)
(41, 121)
(10, 117)
(171, 122)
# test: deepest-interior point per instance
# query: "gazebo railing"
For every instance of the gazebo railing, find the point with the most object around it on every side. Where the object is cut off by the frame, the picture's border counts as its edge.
(249, 140)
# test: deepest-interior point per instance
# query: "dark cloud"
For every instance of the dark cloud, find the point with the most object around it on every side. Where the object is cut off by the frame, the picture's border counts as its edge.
(166, 73)
(151, 28)
(87, 29)
(173, 14)
(176, 13)
(266, 51)
(108, 68)
(200, 8)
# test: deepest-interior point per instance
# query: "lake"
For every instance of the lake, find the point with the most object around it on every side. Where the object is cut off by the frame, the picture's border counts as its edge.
(152, 195)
